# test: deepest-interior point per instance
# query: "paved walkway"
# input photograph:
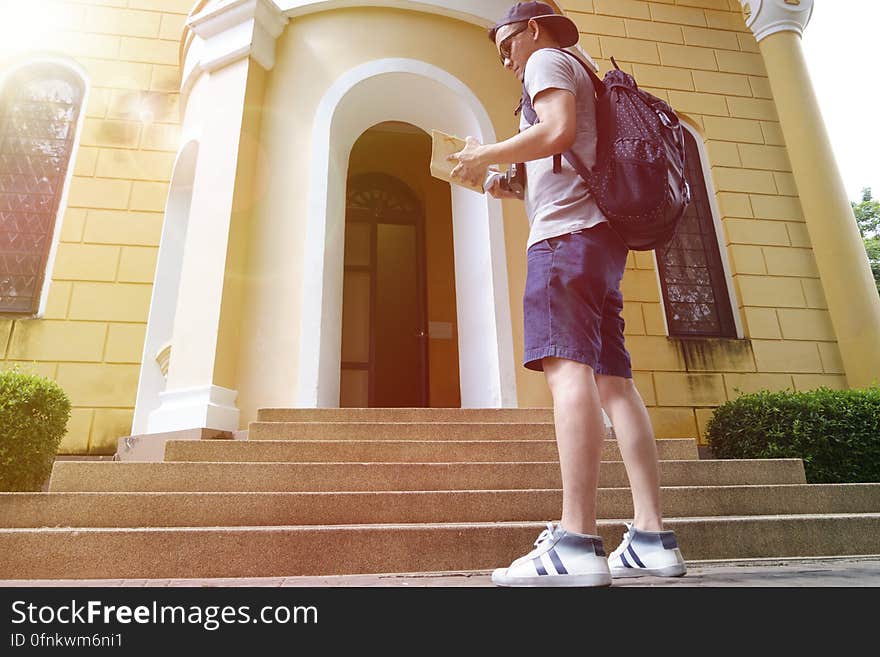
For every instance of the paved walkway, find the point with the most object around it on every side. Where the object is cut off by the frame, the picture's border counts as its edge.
(814, 572)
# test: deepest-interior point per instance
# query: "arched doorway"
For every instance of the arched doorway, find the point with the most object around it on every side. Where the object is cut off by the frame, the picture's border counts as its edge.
(363, 97)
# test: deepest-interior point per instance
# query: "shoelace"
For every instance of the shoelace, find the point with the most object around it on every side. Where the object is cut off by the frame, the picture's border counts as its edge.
(545, 535)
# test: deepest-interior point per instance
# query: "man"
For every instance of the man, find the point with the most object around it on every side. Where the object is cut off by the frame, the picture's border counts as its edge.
(571, 307)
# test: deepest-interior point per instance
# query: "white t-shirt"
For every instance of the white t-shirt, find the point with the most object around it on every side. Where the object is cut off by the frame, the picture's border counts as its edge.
(560, 203)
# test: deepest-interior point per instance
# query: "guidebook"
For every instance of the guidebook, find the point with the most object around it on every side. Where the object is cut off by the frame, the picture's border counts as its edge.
(442, 146)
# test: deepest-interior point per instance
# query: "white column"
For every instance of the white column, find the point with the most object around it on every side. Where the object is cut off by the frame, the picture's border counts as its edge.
(229, 34)
(840, 255)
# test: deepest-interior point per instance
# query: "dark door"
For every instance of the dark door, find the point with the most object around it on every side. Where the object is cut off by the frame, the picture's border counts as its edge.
(384, 334)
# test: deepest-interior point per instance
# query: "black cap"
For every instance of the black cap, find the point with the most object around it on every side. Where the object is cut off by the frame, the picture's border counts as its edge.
(563, 28)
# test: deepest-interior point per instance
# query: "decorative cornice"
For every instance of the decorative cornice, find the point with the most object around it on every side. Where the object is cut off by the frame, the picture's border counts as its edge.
(234, 29)
(766, 17)
(480, 12)
(220, 32)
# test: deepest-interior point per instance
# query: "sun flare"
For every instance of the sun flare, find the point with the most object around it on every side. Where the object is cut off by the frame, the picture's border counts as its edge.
(29, 24)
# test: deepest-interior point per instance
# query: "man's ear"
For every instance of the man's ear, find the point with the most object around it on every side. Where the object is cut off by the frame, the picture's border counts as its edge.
(535, 29)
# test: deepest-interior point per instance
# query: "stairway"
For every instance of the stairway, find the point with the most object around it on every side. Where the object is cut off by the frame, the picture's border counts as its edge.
(346, 491)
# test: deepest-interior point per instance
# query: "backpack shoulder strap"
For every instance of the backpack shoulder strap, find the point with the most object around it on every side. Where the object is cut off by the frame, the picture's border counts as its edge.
(529, 114)
(597, 83)
(599, 89)
(525, 103)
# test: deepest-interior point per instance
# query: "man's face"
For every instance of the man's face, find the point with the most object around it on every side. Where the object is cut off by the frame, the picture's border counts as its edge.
(512, 42)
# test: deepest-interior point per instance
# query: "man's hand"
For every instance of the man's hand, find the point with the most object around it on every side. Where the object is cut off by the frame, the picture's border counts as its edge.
(471, 167)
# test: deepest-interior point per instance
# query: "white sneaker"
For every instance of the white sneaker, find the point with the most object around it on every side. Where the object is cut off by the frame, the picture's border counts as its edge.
(642, 553)
(561, 558)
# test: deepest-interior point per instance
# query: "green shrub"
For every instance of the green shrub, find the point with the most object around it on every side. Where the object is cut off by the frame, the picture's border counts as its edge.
(835, 432)
(33, 419)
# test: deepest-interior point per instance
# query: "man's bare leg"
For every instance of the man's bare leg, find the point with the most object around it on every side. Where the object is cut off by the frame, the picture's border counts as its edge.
(580, 430)
(635, 438)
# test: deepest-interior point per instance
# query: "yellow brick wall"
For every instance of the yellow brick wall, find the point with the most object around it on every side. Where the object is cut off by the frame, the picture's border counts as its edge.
(91, 338)
(699, 56)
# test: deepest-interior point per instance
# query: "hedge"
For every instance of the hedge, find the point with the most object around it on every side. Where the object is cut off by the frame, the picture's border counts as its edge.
(33, 419)
(835, 432)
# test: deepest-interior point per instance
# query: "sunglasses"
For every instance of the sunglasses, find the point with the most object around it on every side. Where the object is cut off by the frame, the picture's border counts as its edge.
(504, 46)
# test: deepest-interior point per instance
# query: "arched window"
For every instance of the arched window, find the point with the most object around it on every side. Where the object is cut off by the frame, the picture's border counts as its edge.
(692, 277)
(39, 109)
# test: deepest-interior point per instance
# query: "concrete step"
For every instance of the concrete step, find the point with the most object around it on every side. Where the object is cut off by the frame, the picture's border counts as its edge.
(318, 477)
(86, 553)
(268, 509)
(401, 431)
(408, 451)
(516, 415)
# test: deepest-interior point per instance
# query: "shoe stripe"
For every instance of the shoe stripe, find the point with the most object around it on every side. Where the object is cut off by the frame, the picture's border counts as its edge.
(635, 556)
(549, 566)
(557, 562)
(539, 566)
(623, 560)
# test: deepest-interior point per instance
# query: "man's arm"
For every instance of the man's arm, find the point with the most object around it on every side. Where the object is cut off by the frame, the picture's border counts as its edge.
(555, 133)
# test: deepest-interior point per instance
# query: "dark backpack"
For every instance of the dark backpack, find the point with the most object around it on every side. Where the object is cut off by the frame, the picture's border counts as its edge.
(638, 181)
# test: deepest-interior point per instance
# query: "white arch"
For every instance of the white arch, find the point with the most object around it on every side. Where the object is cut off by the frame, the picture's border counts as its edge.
(163, 305)
(75, 68)
(413, 92)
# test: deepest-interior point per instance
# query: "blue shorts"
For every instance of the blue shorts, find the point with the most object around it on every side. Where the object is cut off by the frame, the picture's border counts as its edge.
(572, 302)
